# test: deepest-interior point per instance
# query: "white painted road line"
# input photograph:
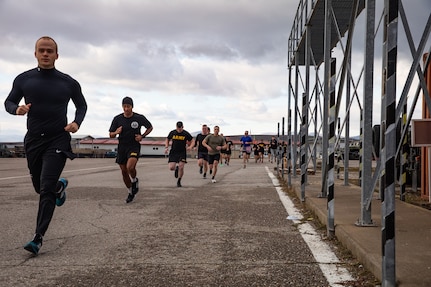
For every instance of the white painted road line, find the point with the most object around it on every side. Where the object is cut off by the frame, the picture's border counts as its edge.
(64, 171)
(69, 171)
(327, 260)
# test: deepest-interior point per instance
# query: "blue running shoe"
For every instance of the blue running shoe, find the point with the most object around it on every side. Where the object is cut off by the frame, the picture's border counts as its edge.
(34, 245)
(61, 191)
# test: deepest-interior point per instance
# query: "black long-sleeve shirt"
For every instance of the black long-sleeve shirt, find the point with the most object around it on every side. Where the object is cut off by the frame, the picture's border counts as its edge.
(49, 92)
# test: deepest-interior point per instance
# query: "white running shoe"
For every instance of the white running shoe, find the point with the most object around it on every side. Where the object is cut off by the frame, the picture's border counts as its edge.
(213, 181)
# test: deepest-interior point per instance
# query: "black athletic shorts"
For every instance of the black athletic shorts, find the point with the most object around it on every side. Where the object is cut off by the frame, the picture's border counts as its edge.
(203, 155)
(177, 157)
(127, 151)
(213, 157)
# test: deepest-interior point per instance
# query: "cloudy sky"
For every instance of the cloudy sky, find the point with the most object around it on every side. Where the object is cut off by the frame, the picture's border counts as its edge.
(219, 62)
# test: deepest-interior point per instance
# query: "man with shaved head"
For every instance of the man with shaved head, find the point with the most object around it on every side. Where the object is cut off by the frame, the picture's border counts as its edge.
(46, 92)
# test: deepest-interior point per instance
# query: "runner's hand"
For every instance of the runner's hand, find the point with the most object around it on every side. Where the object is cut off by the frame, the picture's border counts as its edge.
(72, 127)
(23, 109)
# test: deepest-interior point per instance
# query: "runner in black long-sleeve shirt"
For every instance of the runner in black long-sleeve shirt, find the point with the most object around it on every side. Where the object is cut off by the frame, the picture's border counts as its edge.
(46, 92)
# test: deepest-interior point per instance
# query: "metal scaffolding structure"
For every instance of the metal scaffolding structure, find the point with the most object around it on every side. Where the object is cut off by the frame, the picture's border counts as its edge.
(319, 27)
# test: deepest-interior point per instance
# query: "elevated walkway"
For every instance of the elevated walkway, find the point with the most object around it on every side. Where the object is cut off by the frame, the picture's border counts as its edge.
(312, 13)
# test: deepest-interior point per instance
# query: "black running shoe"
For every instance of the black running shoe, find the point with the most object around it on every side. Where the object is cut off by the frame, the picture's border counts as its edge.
(176, 172)
(61, 191)
(201, 169)
(135, 186)
(34, 245)
(179, 183)
(205, 175)
(130, 198)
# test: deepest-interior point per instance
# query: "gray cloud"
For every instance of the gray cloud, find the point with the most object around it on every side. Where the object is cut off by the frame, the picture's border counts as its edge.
(218, 61)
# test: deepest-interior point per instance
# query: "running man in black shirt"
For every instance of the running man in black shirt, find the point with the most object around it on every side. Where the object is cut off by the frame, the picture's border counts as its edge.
(128, 128)
(46, 92)
(202, 151)
(228, 151)
(182, 141)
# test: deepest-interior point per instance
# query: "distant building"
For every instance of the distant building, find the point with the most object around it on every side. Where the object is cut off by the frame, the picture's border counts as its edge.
(149, 146)
(76, 139)
(88, 146)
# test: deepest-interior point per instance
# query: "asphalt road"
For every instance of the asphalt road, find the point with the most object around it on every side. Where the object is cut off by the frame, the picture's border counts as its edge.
(231, 233)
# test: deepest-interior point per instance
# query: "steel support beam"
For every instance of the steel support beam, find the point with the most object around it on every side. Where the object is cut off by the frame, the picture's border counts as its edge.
(367, 115)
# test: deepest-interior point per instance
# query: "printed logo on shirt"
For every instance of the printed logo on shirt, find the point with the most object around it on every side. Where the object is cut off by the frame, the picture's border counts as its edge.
(177, 137)
(134, 125)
